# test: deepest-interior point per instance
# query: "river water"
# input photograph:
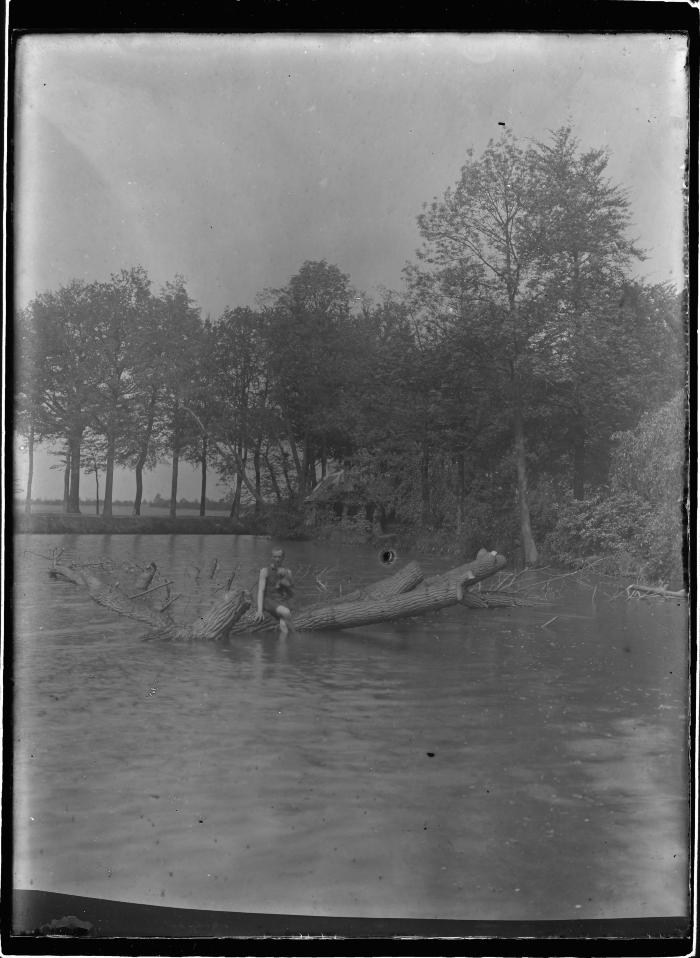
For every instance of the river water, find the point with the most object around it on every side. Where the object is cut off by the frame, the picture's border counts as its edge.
(470, 764)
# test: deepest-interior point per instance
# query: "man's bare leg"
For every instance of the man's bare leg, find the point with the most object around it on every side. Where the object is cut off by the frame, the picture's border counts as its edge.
(285, 620)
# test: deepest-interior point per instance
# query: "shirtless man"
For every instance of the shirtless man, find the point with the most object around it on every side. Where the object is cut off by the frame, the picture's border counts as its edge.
(274, 589)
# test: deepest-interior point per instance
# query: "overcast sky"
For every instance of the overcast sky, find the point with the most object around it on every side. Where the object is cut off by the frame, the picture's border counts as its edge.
(231, 160)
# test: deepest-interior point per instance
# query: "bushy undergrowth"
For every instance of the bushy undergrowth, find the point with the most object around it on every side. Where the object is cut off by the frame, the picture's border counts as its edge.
(622, 529)
(636, 523)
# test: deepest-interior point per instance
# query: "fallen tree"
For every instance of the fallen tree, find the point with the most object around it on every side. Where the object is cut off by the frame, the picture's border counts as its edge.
(405, 579)
(210, 627)
(404, 593)
(434, 593)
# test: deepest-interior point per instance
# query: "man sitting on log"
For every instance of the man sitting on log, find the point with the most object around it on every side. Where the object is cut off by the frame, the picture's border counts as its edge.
(274, 589)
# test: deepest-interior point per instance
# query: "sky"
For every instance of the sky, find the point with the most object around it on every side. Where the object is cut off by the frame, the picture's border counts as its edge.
(231, 160)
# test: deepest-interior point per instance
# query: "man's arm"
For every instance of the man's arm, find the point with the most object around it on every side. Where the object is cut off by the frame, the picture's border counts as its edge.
(261, 589)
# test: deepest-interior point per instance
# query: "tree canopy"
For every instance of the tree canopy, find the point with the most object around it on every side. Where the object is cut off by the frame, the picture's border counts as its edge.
(498, 382)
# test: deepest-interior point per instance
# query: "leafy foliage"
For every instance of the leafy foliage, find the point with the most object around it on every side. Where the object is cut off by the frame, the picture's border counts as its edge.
(524, 387)
(637, 519)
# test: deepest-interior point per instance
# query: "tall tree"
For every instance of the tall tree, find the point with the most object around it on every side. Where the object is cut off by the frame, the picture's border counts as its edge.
(122, 305)
(29, 387)
(480, 262)
(580, 220)
(144, 441)
(181, 326)
(308, 329)
(202, 406)
(237, 405)
(62, 346)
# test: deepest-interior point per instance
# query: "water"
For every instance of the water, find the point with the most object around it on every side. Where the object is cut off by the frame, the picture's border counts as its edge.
(465, 765)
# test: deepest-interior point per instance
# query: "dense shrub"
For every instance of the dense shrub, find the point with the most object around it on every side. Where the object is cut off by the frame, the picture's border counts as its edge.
(636, 521)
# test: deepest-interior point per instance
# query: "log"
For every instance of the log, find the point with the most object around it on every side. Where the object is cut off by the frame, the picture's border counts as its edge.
(395, 597)
(113, 598)
(435, 593)
(656, 590)
(403, 580)
(215, 625)
(211, 627)
(399, 582)
(477, 569)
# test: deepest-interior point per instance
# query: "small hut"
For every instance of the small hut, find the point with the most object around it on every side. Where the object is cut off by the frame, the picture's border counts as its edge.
(340, 495)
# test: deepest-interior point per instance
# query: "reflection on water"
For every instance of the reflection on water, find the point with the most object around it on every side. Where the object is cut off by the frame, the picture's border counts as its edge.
(466, 765)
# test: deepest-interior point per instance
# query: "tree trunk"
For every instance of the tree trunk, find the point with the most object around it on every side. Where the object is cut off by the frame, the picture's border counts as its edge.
(425, 481)
(391, 598)
(139, 488)
(438, 592)
(210, 627)
(241, 461)
(66, 481)
(285, 473)
(203, 491)
(242, 475)
(236, 504)
(176, 464)
(460, 493)
(173, 485)
(97, 491)
(579, 457)
(109, 475)
(258, 482)
(273, 478)
(74, 493)
(311, 480)
(529, 548)
(300, 469)
(404, 580)
(30, 467)
(143, 453)
(304, 474)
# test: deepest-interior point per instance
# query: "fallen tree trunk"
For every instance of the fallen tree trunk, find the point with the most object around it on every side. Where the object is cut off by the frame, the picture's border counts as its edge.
(403, 580)
(435, 593)
(471, 572)
(216, 624)
(210, 627)
(397, 596)
(655, 590)
(112, 598)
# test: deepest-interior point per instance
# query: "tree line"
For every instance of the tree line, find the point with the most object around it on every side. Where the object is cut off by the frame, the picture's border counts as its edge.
(495, 384)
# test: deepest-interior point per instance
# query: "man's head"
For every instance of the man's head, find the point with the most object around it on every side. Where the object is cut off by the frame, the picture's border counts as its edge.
(277, 556)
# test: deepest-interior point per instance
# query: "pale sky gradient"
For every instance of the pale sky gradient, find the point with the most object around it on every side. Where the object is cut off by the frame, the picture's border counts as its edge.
(232, 159)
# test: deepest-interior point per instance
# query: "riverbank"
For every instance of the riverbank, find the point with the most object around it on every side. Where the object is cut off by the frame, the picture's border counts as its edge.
(63, 524)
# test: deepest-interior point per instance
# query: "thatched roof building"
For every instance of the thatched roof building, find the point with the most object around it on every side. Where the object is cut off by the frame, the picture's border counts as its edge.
(336, 487)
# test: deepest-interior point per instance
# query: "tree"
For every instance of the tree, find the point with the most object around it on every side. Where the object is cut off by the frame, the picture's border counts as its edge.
(237, 403)
(580, 221)
(480, 265)
(122, 306)
(181, 326)
(93, 461)
(28, 393)
(528, 256)
(143, 441)
(307, 334)
(62, 347)
(202, 406)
